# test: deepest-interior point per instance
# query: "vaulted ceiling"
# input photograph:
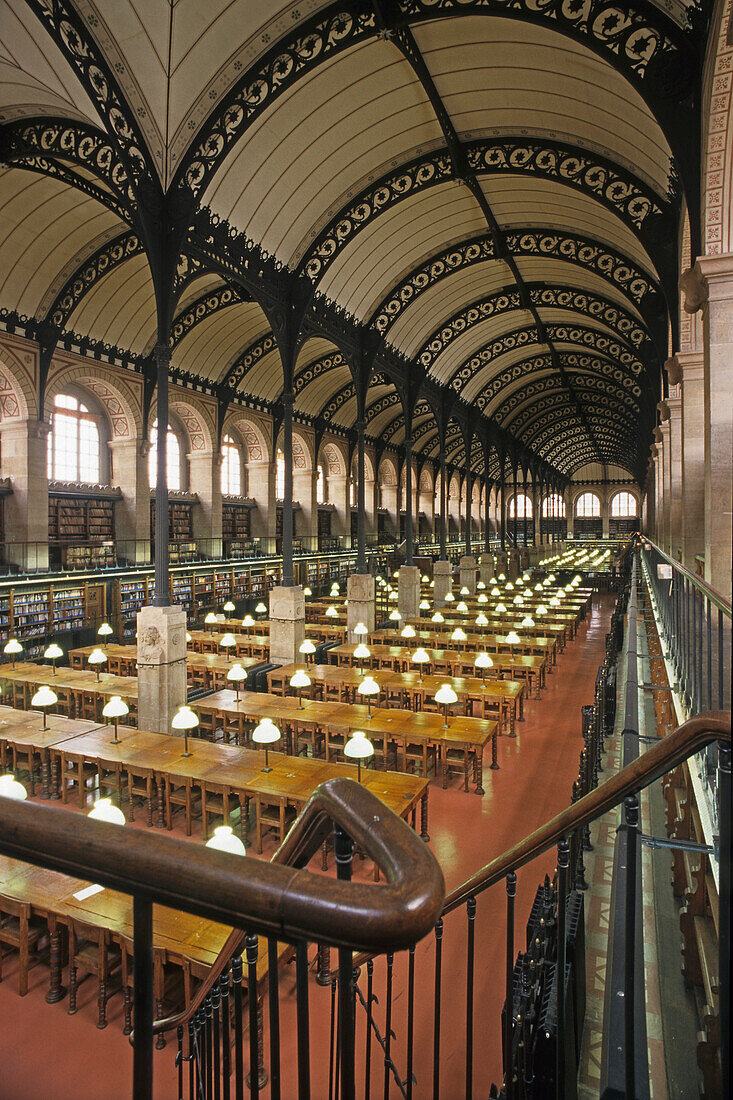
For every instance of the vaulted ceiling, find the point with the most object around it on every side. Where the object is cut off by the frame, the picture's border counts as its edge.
(473, 203)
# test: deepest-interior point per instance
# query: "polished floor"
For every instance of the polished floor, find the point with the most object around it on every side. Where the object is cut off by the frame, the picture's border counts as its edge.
(46, 1053)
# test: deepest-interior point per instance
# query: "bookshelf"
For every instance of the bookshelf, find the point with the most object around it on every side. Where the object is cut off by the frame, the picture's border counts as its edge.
(39, 611)
(129, 597)
(235, 522)
(80, 519)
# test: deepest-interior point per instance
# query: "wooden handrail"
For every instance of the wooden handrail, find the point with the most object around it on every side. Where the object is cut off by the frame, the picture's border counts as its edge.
(278, 899)
(661, 758)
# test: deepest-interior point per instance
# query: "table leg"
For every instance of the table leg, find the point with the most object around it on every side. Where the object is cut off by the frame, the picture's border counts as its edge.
(512, 728)
(244, 820)
(520, 704)
(45, 775)
(160, 823)
(443, 769)
(56, 991)
(424, 835)
(495, 749)
(478, 767)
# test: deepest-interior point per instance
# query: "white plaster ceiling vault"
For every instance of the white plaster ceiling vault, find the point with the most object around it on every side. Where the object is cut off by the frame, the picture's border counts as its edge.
(331, 135)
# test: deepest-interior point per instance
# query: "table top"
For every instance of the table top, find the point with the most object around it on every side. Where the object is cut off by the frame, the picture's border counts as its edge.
(76, 679)
(241, 639)
(403, 652)
(24, 727)
(220, 662)
(479, 640)
(384, 721)
(408, 681)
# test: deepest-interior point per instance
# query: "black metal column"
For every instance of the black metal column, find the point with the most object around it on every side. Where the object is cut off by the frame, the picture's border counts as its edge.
(503, 510)
(360, 500)
(288, 578)
(162, 357)
(443, 508)
(408, 494)
(142, 1018)
(487, 528)
(469, 489)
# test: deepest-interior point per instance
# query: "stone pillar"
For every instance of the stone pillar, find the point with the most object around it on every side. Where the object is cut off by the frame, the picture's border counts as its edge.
(287, 624)
(161, 666)
(304, 491)
(25, 462)
(690, 376)
(486, 567)
(674, 403)
(361, 608)
(390, 502)
(442, 582)
(718, 341)
(370, 509)
(666, 482)
(467, 567)
(205, 481)
(408, 588)
(261, 488)
(338, 495)
(659, 487)
(132, 513)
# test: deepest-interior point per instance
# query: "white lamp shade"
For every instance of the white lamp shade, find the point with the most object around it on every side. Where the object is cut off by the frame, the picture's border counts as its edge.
(368, 686)
(306, 646)
(449, 597)
(437, 618)
(266, 732)
(307, 592)
(425, 578)
(459, 635)
(11, 788)
(481, 619)
(105, 630)
(360, 630)
(445, 695)
(542, 610)
(248, 621)
(358, 747)
(210, 618)
(115, 707)
(518, 599)
(407, 631)
(237, 673)
(461, 606)
(480, 586)
(104, 810)
(501, 577)
(464, 591)
(184, 719)
(554, 602)
(393, 594)
(97, 657)
(188, 637)
(500, 609)
(331, 613)
(53, 652)
(527, 621)
(483, 661)
(44, 697)
(513, 638)
(495, 591)
(229, 606)
(224, 840)
(362, 652)
(424, 605)
(483, 598)
(227, 640)
(420, 657)
(538, 588)
(12, 647)
(509, 586)
(261, 608)
(300, 679)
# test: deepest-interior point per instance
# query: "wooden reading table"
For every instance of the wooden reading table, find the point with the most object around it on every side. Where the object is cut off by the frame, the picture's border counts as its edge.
(80, 694)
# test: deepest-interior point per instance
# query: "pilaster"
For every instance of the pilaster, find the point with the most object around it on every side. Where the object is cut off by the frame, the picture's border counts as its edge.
(204, 469)
(692, 426)
(361, 608)
(442, 582)
(287, 624)
(408, 589)
(161, 666)
(25, 462)
(132, 513)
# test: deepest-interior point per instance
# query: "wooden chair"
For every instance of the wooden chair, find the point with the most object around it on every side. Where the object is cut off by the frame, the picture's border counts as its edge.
(217, 801)
(77, 772)
(92, 952)
(22, 933)
(181, 794)
(277, 815)
(140, 784)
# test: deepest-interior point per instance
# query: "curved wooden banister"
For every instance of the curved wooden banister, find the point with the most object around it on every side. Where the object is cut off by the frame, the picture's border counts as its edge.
(661, 758)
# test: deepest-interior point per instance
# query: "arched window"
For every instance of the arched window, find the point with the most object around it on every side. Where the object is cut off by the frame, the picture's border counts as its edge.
(280, 476)
(173, 458)
(623, 506)
(352, 491)
(321, 486)
(523, 506)
(73, 445)
(553, 505)
(231, 468)
(588, 506)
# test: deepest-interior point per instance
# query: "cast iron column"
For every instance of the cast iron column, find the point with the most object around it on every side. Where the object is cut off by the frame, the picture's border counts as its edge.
(360, 501)
(408, 494)
(288, 579)
(162, 358)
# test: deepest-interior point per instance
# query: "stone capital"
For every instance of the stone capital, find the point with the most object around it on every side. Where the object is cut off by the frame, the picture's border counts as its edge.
(663, 410)
(658, 437)
(716, 274)
(692, 366)
(694, 288)
(673, 368)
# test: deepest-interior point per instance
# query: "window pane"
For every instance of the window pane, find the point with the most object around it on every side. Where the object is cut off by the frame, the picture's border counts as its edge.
(231, 468)
(623, 506)
(280, 476)
(88, 451)
(588, 505)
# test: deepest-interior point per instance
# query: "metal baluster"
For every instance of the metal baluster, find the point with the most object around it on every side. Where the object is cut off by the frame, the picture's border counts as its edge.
(436, 1018)
(410, 1017)
(142, 1008)
(273, 996)
(201, 1042)
(388, 1025)
(709, 635)
(698, 653)
(301, 996)
(226, 1050)
(563, 862)
(368, 1055)
(254, 1078)
(192, 1089)
(721, 677)
(471, 915)
(179, 1061)
(332, 1042)
(724, 826)
(216, 1038)
(511, 891)
(344, 851)
(209, 1014)
(631, 817)
(238, 1037)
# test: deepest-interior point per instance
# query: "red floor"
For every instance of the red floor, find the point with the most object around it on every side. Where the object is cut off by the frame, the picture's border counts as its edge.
(45, 1053)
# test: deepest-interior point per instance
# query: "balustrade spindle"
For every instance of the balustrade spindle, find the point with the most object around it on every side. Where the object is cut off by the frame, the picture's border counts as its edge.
(368, 1053)
(226, 1054)
(192, 1058)
(410, 1017)
(273, 1000)
(301, 997)
(631, 820)
(436, 1017)
(563, 864)
(209, 1021)
(179, 1060)
(344, 852)
(216, 1038)
(471, 915)
(511, 891)
(238, 1036)
(332, 1053)
(388, 1026)
(254, 1078)
(709, 638)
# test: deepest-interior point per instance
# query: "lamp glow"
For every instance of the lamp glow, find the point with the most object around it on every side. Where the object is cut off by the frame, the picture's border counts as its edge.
(554, 602)
(307, 591)
(236, 674)
(482, 662)
(394, 616)
(185, 719)
(437, 618)
(482, 598)
(464, 592)
(266, 733)
(248, 622)
(527, 621)
(331, 613)
(541, 610)
(300, 680)
(358, 748)
(500, 609)
(420, 657)
(115, 708)
(481, 619)
(462, 606)
(495, 591)
(224, 840)
(407, 631)
(97, 658)
(513, 638)
(43, 698)
(209, 619)
(228, 607)
(52, 654)
(424, 605)
(368, 687)
(13, 648)
(227, 641)
(307, 648)
(362, 653)
(449, 597)
(104, 632)
(361, 630)
(103, 810)
(445, 696)
(261, 608)
(459, 635)
(11, 788)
